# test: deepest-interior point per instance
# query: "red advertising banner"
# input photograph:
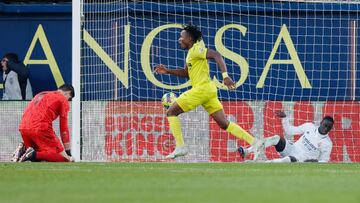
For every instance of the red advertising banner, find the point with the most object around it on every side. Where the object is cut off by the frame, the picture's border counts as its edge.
(140, 131)
(137, 130)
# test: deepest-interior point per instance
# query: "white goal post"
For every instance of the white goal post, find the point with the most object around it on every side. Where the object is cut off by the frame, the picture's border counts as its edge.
(76, 67)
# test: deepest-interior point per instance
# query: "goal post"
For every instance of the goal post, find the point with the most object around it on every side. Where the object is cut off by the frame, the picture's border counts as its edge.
(297, 56)
(76, 80)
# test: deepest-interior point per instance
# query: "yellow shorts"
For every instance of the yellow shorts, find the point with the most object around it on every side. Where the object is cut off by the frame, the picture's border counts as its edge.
(205, 95)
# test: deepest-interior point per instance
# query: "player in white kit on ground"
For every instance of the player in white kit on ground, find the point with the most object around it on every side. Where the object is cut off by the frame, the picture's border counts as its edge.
(314, 145)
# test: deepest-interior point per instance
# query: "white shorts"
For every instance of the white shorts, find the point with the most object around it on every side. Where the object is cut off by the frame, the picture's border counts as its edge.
(289, 150)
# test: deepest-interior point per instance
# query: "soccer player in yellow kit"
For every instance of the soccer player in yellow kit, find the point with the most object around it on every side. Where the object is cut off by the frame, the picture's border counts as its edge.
(203, 91)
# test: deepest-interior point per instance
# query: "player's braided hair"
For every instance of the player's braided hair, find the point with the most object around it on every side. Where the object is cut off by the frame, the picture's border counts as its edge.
(194, 31)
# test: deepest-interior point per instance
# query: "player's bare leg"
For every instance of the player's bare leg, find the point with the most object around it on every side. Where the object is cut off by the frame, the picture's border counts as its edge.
(175, 127)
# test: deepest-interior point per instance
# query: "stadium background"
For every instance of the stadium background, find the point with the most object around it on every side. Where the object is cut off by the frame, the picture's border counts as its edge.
(43, 22)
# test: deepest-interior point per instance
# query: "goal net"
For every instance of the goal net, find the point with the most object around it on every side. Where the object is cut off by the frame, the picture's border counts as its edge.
(300, 57)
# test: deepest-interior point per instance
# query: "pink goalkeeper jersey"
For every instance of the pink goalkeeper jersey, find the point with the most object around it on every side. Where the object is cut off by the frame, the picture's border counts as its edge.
(43, 110)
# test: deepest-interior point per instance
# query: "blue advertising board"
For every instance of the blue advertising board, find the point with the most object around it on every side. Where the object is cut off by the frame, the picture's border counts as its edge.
(41, 36)
(275, 51)
(283, 51)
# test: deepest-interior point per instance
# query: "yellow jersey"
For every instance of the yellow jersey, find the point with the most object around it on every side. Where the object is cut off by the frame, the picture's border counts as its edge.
(198, 67)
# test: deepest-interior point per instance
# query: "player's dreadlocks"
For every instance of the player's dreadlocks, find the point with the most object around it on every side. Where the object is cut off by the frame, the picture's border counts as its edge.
(194, 31)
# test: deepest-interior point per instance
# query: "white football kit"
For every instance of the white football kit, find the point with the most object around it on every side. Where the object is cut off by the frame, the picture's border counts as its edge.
(311, 144)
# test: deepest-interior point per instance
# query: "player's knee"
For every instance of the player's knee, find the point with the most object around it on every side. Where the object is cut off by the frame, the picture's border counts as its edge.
(174, 111)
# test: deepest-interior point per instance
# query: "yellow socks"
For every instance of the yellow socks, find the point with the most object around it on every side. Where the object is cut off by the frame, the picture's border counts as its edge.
(234, 129)
(175, 127)
(238, 132)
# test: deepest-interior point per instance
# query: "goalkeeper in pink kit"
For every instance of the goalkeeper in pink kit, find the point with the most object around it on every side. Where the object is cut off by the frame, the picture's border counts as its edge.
(40, 142)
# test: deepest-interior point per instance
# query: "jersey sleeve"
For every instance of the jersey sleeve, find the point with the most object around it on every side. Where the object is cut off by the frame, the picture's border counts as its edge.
(64, 129)
(291, 129)
(325, 151)
(199, 52)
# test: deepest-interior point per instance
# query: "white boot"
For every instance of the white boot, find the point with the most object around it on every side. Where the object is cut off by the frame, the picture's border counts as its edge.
(243, 151)
(179, 151)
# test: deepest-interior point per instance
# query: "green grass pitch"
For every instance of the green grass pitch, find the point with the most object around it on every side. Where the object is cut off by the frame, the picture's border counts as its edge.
(178, 182)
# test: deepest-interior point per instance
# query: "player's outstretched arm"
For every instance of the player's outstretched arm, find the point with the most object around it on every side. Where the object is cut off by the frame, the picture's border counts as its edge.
(289, 128)
(162, 69)
(214, 55)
